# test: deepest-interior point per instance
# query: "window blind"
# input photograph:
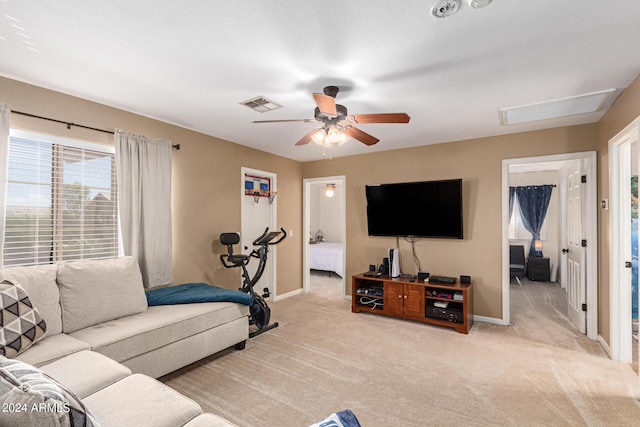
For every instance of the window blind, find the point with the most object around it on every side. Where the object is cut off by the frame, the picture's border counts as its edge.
(61, 203)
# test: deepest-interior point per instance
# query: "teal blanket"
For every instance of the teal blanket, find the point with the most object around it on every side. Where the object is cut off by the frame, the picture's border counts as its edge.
(195, 292)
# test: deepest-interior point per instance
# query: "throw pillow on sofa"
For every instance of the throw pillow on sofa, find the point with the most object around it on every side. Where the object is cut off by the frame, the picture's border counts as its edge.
(20, 323)
(39, 281)
(31, 398)
(96, 291)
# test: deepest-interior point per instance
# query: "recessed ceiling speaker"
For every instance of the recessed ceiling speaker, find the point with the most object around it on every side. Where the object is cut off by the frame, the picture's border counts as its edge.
(479, 4)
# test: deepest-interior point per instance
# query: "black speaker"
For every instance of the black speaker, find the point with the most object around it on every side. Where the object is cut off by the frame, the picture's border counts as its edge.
(372, 267)
(465, 279)
(422, 275)
(385, 267)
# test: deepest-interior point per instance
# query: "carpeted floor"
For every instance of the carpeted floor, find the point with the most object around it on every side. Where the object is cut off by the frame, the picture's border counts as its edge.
(323, 358)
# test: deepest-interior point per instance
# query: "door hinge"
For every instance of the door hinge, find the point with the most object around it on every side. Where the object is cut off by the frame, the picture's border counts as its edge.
(583, 179)
(584, 243)
(627, 264)
(584, 307)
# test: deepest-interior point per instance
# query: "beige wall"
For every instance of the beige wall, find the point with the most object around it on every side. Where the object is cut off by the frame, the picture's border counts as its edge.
(206, 180)
(479, 163)
(620, 114)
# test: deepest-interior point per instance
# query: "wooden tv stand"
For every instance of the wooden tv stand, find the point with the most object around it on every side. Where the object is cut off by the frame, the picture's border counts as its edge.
(414, 300)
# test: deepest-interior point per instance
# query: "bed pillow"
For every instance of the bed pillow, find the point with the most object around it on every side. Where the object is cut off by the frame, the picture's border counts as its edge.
(32, 398)
(21, 325)
(97, 291)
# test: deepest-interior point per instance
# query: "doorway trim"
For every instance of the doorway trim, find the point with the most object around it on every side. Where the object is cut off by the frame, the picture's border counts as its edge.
(620, 250)
(590, 233)
(273, 213)
(306, 227)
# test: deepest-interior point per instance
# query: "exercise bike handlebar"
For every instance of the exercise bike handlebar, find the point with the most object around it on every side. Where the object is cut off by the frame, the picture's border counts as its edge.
(266, 237)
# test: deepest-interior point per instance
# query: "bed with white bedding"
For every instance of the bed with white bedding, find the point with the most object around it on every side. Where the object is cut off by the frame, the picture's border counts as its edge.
(326, 256)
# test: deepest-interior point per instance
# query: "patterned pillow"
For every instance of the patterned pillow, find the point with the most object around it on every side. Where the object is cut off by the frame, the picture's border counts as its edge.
(20, 323)
(31, 398)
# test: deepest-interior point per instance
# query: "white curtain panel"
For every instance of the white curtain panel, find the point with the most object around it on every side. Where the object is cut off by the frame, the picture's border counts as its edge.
(5, 116)
(144, 199)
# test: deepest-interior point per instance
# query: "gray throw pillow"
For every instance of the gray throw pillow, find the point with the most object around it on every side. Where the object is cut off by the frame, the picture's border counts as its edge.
(97, 291)
(20, 323)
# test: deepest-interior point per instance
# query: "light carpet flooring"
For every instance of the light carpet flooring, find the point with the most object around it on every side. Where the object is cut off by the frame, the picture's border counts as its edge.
(389, 372)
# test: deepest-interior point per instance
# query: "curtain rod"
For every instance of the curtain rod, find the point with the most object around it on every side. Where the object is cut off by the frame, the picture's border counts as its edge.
(69, 124)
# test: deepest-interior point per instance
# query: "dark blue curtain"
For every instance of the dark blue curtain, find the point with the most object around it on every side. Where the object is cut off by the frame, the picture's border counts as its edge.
(512, 198)
(534, 202)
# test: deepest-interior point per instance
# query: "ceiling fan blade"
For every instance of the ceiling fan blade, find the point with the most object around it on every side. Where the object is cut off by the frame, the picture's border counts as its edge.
(381, 118)
(361, 136)
(307, 138)
(286, 121)
(326, 104)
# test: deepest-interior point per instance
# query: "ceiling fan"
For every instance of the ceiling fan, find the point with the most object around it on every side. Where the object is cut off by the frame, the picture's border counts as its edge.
(337, 126)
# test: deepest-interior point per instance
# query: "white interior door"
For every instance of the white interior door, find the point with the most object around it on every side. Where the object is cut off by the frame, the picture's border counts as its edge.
(576, 289)
(258, 214)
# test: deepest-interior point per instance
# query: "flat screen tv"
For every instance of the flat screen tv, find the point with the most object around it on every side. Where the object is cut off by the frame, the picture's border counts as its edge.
(415, 209)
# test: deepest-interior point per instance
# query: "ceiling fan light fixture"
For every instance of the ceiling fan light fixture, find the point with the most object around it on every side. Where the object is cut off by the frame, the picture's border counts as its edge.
(318, 137)
(330, 137)
(329, 190)
(336, 136)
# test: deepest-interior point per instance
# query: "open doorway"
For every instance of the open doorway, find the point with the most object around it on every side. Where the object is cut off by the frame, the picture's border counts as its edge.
(578, 272)
(624, 160)
(259, 208)
(324, 236)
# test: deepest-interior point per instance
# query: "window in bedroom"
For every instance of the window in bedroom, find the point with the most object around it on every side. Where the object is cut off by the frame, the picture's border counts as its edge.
(61, 201)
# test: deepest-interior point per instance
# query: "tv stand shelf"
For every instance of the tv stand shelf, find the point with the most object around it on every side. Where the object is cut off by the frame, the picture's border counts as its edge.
(413, 300)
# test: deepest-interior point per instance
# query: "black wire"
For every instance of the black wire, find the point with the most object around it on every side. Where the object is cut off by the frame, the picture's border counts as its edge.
(413, 241)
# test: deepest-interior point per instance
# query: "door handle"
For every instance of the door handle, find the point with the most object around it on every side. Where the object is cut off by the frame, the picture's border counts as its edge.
(565, 250)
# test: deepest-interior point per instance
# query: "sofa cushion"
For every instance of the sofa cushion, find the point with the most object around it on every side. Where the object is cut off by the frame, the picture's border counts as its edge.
(52, 348)
(21, 325)
(86, 372)
(140, 401)
(40, 284)
(209, 420)
(158, 326)
(96, 291)
(31, 398)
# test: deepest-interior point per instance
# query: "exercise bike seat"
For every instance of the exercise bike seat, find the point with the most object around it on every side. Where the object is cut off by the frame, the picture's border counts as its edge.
(230, 239)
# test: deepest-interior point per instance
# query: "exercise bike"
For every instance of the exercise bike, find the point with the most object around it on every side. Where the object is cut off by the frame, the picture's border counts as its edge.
(260, 313)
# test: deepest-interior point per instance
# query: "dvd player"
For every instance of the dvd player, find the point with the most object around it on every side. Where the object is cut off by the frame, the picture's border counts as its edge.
(447, 314)
(445, 280)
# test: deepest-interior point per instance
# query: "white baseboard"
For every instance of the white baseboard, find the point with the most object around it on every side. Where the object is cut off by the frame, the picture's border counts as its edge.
(605, 346)
(491, 320)
(287, 295)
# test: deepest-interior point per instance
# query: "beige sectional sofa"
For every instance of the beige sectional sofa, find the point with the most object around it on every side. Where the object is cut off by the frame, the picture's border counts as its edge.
(104, 343)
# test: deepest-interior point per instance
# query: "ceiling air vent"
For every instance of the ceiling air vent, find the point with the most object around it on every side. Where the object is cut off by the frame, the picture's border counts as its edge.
(261, 104)
(582, 104)
(445, 9)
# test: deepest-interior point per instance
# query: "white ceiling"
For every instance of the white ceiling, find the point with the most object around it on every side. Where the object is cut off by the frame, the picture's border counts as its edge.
(191, 63)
